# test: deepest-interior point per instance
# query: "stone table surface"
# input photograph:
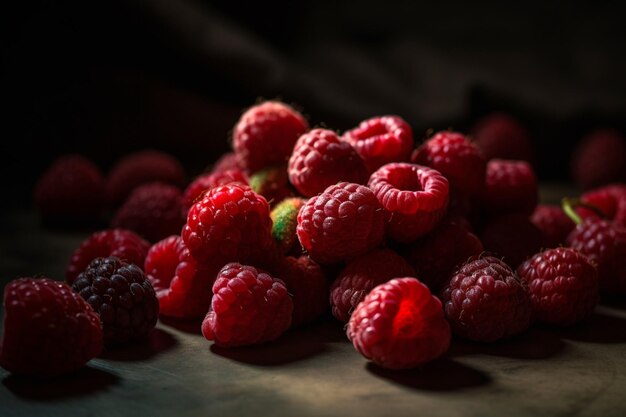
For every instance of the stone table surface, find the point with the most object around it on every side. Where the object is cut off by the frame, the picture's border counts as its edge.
(315, 371)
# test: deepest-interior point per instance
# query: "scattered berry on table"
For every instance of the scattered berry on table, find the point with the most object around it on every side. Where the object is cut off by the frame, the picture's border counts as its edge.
(265, 135)
(71, 189)
(123, 297)
(381, 140)
(153, 211)
(512, 236)
(485, 301)
(140, 168)
(362, 274)
(320, 159)
(414, 197)
(562, 284)
(344, 221)
(399, 325)
(123, 244)
(48, 329)
(248, 307)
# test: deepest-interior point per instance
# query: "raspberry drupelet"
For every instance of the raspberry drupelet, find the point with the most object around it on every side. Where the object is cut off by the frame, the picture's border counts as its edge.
(249, 307)
(562, 284)
(485, 301)
(48, 329)
(230, 223)
(399, 325)
(458, 159)
(381, 140)
(344, 221)
(362, 274)
(265, 135)
(320, 159)
(414, 197)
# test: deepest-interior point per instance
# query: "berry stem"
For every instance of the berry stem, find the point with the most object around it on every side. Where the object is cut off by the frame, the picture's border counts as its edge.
(569, 206)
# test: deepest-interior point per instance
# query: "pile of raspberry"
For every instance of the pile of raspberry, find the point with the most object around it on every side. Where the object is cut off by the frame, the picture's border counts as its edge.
(405, 244)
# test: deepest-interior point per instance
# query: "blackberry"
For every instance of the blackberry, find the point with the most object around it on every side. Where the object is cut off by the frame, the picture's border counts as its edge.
(123, 297)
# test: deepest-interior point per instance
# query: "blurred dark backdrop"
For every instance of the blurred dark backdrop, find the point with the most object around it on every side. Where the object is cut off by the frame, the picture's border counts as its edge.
(103, 78)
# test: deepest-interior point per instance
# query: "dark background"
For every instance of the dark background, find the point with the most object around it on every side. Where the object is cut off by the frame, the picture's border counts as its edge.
(103, 78)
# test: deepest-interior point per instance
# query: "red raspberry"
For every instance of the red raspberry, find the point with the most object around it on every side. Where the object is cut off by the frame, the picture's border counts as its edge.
(266, 133)
(230, 223)
(415, 198)
(140, 168)
(226, 162)
(553, 223)
(272, 183)
(71, 189)
(153, 210)
(362, 274)
(284, 223)
(438, 254)
(381, 140)
(249, 307)
(320, 159)
(563, 286)
(48, 329)
(400, 325)
(610, 200)
(513, 237)
(455, 157)
(600, 158)
(204, 182)
(344, 221)
(485, 301)
(511, 187)
(122, 244)
(500, 136)
(182, 285)
(604, 243)
(306, 283)
(122, 296)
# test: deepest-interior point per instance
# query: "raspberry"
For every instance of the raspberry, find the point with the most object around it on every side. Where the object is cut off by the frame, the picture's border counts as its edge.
(226, 162)
(272, 183)
(610, 200)
(266, 133)
(306, 283)
(604, 243)
(456, 158)
(230, 223)
(140, 168)
(182, 285)
(362, 274)
(600, 158)
(71, 189)
(122, 296)
(320, 159)
(153, 210)
(204, 182)
(415, 198)
(513, 237)
(48, 329)
(381, 140)
(553, 223)
(344, 221)
(437, 255)
(563, 286)
(484, 301)
(248, 307)
(500, 136)
(510, 187)
(284, 223)
(120, 243)
(399, 325)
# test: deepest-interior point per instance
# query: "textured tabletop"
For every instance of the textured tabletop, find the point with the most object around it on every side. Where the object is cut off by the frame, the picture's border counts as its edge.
(315, 371)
